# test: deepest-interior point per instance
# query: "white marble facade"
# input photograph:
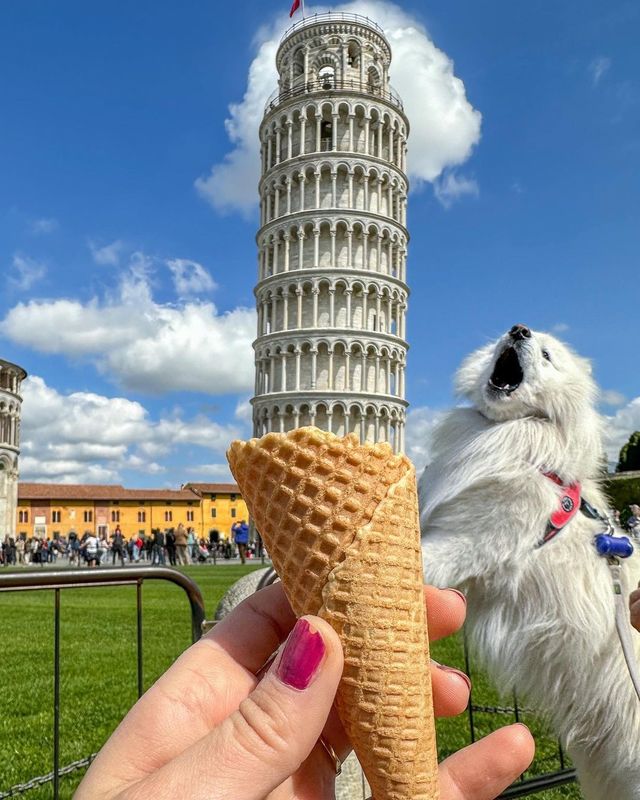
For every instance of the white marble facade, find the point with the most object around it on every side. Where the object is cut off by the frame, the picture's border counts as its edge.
(331, 293)
(11, 377)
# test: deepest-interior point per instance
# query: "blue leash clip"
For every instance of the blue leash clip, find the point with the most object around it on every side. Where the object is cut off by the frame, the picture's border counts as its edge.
(613, 546)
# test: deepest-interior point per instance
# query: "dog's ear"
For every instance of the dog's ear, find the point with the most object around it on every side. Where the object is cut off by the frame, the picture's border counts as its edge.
(471, 374)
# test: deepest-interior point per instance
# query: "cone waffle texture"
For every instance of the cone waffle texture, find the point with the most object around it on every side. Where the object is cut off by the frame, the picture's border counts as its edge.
(340, 521)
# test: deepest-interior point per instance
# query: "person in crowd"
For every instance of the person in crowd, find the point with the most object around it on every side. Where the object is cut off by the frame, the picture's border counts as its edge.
(170, 544)
(148, 547)
(117, 546)
(21, 546)
(137, 546)
(240, 533)
(192, 545)
(203, 551)
(91, 547)
(181, 538)
(158, 547)
(74, 549)
(104, 545)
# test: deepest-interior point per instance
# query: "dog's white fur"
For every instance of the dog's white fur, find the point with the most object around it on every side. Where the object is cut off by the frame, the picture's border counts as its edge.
(541, 619)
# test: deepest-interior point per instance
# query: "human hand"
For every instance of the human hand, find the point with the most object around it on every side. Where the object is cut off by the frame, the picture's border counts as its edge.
(210, 729)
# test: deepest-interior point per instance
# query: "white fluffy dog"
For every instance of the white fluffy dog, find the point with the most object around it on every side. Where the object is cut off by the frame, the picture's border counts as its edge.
(541, 613)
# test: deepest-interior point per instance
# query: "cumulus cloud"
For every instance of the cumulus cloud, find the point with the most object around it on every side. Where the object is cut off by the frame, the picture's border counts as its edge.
(598, 67)
(83, 437)
(189, 277)
(108, 254)
(444, 125)
(421, 421)
(560, 327)
(25, 272)
(451, 187)
(619, 427)
(142, 344)
(43, 226)
(611, 397)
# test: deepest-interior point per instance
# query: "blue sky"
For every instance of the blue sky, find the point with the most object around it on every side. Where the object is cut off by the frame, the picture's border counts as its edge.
(128, 270)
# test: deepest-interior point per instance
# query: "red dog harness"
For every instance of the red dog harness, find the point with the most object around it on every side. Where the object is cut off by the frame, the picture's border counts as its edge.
(566, 511)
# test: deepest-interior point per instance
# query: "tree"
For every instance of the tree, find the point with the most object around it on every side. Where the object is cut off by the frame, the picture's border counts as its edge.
(630, 454)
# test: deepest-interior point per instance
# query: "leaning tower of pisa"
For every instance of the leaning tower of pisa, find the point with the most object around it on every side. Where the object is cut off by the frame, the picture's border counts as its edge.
(11, 377)
(331, 292)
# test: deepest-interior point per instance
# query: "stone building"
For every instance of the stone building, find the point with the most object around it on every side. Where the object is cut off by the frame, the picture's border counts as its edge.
(331, 293)
(11, 377)
(55, 509)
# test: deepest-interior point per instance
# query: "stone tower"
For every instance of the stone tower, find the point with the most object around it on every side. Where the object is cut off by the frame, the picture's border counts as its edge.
(11, 377)
(331, 293)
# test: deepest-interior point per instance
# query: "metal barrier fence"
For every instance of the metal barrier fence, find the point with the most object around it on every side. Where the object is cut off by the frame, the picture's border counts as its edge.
(55, 581)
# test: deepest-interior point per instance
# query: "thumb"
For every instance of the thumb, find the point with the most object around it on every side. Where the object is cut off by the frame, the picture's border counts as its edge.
(273, 731)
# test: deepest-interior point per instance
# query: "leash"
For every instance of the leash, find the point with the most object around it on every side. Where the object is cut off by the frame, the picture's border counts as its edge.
(614, 548)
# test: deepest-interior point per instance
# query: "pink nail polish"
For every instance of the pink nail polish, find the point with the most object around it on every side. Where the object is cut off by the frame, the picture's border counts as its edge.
(301, 657)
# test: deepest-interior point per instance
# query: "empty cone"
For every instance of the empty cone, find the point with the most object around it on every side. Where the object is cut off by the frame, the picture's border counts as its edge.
(340, 521)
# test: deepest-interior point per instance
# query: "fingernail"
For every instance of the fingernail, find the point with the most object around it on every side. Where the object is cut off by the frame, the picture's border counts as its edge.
(456, 672)
(459, 593)
(301, 657)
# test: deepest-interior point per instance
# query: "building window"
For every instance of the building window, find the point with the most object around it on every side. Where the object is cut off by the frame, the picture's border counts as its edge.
(88, 516)
(233, 512)
(142, 516)
(55, 516)
(189, 516)
(214, 513)
(23, 516)
(213, 497)
(115, 516)
(233, 498)
(168, 516)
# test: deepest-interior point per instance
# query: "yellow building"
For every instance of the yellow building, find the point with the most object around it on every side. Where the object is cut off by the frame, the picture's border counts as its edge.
(49, 509)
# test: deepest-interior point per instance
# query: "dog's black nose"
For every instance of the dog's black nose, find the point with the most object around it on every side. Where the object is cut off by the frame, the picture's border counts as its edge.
(519, 332)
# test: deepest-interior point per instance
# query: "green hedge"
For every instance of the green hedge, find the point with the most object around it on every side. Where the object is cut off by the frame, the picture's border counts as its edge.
(623, 491)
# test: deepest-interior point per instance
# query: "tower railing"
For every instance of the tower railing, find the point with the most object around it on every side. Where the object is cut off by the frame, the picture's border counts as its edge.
(331, 16)
(324, 85)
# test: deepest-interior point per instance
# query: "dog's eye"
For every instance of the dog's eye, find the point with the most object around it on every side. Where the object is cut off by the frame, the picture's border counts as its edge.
(545, 354)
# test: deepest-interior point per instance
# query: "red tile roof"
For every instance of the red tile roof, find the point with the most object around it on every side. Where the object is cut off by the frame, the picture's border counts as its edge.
(90, 491)
(213, 488)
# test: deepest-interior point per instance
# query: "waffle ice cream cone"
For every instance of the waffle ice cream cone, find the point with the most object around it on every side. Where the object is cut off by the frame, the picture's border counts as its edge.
(340, 521)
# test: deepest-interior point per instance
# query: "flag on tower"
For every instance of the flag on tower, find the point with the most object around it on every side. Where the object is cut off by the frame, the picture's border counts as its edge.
(296, 5)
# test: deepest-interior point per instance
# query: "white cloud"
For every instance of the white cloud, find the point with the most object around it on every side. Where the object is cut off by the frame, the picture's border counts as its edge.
(619, 428)
(444, 125)
(83, 437)
(219, 472)
(189, 277)
(25, 272)
(613, 398)
(560, 327)
(244, 411)
(451, 187)
(421, 421)
(43, 226)
(598, 67)
(107, 255)
(141, 344)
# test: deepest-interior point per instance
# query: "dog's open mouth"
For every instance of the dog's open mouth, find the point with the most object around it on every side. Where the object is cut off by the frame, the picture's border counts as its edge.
(507, 374)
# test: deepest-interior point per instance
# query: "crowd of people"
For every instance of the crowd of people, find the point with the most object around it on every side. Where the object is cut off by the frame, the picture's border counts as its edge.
(173, 546)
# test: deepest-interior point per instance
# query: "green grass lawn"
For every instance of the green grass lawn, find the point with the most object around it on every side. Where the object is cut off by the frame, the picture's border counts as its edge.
(98, 678)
